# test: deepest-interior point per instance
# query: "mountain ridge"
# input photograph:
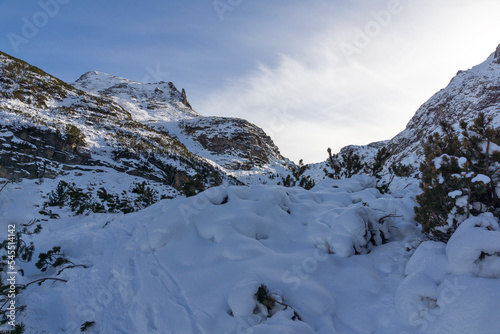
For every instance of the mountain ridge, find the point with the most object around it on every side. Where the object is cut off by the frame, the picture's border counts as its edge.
(125, 125)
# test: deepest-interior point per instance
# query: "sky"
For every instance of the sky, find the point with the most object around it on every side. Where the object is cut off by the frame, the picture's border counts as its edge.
(313, 74)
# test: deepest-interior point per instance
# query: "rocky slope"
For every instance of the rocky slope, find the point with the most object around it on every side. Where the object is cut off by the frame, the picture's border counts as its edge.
(234, 144)
(100, 122)
(469, 93)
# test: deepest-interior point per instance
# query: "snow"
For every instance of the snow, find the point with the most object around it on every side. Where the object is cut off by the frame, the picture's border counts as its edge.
(481, 178)
(462, 162)
(344, 257)
(438, 161)
(455, 194)
(151, 102)
(474, 249)
(446, 282)
(193, 265)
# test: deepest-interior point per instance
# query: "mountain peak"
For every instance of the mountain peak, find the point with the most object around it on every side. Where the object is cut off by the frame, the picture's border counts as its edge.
(150, 101)
(96, 81)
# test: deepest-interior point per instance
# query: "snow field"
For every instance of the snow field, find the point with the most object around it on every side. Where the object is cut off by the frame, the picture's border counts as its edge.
(339, 255)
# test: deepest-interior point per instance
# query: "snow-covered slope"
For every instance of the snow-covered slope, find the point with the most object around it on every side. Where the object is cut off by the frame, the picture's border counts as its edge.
(469, 93)
(338, 258)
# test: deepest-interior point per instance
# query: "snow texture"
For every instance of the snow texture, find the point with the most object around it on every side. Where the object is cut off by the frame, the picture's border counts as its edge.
(338, 255)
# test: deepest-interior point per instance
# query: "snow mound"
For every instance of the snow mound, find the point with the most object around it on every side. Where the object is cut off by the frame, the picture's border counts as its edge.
(474, 249)
(452, 288)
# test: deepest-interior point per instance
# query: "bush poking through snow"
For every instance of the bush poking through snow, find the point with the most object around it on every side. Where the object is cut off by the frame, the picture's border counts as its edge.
(344, 165)
(265, 298)
(459, 177)
(59, 196)
(86, 325)
(400, 170)
(193, 186)
(18, 329)
(146, 196)
(53, 259)
(74, 135)
(82, 202)
(22, 251)
(269, 302)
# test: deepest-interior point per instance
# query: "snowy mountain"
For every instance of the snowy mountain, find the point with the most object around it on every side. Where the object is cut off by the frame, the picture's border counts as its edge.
(469, 93)
(105, 122)
(235, 145)
(99, 237)
(146, 102)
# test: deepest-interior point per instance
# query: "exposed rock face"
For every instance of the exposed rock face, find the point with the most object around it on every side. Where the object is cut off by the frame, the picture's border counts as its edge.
(184, 99)
(232, 136)
(497, 55)
(234, 144)
(35, 153)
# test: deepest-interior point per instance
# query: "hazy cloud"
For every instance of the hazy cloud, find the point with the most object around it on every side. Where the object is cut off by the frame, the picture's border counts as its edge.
(338, 99)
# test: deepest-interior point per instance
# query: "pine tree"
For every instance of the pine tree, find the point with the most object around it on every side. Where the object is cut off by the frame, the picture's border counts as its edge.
(344, 165)
(74, 135)
(459, 177)
(60, 196)
(378, 164)
(351, 163)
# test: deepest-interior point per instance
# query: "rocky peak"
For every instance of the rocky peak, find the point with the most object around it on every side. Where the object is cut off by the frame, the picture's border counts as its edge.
(95, 81)
(184, 99)
(147, 102)
(497, 55)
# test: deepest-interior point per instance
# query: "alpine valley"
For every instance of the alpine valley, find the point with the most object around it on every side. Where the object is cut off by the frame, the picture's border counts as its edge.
(124, 210)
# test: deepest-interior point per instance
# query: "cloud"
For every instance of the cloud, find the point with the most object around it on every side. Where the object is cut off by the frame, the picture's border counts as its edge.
(331, 100)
